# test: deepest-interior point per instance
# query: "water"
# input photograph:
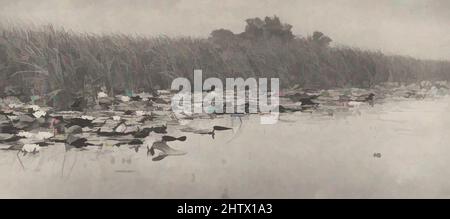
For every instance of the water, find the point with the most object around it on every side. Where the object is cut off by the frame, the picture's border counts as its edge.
(399, 149)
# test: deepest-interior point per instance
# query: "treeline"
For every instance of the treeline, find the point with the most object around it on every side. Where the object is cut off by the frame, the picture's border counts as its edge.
(42, 60)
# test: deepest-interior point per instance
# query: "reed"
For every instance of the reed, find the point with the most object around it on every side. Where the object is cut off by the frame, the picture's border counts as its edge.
(81, 63)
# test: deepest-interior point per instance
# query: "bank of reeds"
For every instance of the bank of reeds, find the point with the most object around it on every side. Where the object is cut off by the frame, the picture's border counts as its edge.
(81, 63)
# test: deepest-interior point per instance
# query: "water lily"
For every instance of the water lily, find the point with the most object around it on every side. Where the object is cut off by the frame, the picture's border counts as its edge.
(141, 113)
(102, 95)
(15, 105)
(25, 134)
(43, 135)
(123, 98)
(38, 114)
(34, 107)
(31, 148)
(87, 117)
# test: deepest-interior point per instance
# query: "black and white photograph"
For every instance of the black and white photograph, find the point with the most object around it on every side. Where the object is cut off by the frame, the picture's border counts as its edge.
(224, 99)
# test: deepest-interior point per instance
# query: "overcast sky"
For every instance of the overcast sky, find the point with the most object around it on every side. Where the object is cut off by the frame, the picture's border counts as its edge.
(420, 28)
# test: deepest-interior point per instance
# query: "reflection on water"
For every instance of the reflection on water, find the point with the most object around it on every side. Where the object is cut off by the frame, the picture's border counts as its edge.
(395, 149)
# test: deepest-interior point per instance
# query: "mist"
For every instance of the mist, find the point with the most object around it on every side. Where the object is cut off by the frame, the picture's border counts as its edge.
(417, 28)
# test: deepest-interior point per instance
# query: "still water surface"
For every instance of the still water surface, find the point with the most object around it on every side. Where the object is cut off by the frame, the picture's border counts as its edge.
(303, 156)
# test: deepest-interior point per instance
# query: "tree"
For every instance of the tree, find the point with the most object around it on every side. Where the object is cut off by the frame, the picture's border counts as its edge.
(270, 27)
(254, 28)
(320, 39)
(222, 36)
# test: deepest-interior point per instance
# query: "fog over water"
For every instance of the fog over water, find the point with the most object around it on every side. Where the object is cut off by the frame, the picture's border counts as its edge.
(410, 27)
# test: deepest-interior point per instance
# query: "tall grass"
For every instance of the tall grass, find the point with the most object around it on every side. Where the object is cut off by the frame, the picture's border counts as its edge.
(81, 63)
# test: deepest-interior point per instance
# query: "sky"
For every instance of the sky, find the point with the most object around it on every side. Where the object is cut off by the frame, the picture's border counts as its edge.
(418, 28)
